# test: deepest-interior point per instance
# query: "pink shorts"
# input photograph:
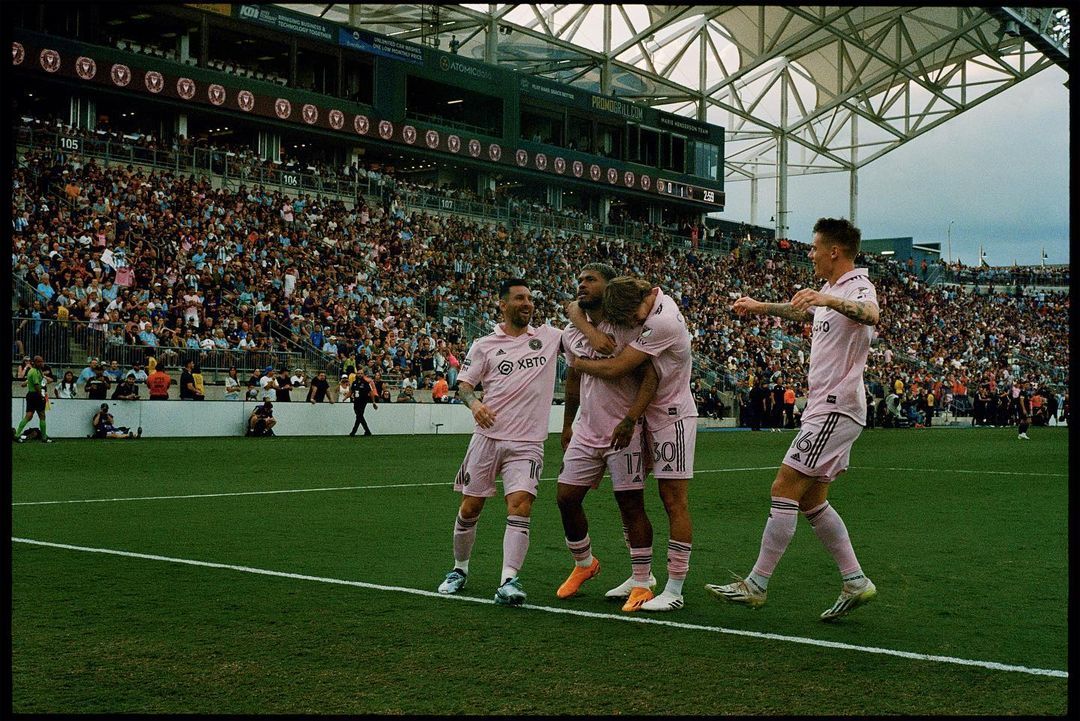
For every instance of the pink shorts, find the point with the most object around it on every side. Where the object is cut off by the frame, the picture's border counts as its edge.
(520, 464)
(584, 466)
(822, 447)
(672, 449)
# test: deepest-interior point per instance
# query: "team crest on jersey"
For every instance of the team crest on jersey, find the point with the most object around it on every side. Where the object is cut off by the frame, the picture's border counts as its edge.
(535, 344)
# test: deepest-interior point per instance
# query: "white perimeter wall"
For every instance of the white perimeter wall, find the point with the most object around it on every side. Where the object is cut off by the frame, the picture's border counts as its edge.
(70, 418)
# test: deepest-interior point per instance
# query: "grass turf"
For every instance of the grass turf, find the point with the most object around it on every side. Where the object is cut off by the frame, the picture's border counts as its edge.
(951, 547)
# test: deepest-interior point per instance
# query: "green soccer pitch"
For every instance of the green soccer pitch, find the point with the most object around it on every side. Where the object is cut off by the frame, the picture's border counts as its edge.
(296, 575)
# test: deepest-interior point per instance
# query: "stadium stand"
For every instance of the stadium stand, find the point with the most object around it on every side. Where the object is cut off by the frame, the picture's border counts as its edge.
(111, 260)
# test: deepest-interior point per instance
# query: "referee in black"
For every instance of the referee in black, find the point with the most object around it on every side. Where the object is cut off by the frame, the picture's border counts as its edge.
(362, 392)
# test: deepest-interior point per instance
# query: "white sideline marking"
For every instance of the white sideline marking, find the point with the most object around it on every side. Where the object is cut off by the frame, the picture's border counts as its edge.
(959, 470)
(298, 490)
(449, 483)
(992, 665)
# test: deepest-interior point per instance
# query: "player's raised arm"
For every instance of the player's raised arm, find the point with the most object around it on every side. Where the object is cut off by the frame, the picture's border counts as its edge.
(749, 306)
(865, 312)
(612, 368)
(601, 342)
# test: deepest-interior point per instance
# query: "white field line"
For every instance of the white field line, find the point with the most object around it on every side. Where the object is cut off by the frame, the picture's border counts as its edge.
(991, 665)
(448, 483)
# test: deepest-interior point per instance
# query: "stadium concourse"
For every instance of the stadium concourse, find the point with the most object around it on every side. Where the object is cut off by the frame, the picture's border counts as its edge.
(133, 258)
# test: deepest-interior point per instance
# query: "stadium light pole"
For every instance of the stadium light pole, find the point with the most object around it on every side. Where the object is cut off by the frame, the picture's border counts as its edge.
(949, 232)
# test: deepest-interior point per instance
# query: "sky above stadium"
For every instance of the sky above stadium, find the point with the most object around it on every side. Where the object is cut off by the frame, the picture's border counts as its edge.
(998, 172)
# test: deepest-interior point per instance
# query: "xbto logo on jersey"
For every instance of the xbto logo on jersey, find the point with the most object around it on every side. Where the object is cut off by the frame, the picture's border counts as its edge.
(507, 367)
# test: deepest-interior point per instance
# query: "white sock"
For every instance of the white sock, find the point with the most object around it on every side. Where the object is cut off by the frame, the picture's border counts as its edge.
(674, 585)
(759, 580)
(462, 566)
(508, 573)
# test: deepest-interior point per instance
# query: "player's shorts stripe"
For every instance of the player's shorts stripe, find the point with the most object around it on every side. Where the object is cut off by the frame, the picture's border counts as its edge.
(822, 439)
(680, 447)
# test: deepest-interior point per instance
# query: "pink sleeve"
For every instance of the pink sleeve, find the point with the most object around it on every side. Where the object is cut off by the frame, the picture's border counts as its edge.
(657, 335)
(472, 370)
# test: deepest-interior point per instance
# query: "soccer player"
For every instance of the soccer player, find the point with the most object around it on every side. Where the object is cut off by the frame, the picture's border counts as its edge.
(670, 425)
(843, 313)
(608, 435)
(516, 365)
(35, 400)
(1021, 400)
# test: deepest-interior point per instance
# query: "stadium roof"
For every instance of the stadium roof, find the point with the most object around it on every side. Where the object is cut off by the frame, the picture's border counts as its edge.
(841, 85)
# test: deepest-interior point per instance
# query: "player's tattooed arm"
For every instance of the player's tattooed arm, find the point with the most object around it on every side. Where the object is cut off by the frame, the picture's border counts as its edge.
(601, 342)
(860, 312)
(749, 306)
(786, 311)
(483, 415)
(865, 313)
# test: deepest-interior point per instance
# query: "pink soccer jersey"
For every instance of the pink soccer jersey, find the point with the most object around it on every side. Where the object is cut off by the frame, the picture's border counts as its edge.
(603, 403)
(518, 375)
(838, 349)
(664, 336)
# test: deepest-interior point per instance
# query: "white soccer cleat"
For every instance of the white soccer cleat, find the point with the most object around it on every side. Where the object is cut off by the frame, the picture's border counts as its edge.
(742, 591)
(666, 601)
(1024, 436)
(622, 591)
(455, 581)
(850, 598)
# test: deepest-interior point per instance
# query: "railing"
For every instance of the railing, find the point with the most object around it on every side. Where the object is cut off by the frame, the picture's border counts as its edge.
(69, 344)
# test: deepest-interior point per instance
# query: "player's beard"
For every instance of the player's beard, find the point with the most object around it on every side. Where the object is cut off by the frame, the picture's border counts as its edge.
(591, 304)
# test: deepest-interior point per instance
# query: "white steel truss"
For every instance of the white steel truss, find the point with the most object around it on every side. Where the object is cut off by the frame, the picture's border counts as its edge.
(799, 89)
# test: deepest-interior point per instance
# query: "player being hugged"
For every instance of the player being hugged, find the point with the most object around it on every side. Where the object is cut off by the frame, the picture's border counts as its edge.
(843, 313)
(516, 367)
(670, 425)
(607, 435)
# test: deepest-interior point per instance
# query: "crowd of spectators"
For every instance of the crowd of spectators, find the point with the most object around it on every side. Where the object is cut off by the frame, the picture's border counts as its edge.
(130, 257)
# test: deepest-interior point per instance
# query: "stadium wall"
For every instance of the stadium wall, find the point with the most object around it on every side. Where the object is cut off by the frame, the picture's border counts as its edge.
(70, 418)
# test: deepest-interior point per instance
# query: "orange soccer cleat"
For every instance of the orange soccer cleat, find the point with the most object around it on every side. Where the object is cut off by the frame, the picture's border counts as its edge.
(578, 576)
(638, 596)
